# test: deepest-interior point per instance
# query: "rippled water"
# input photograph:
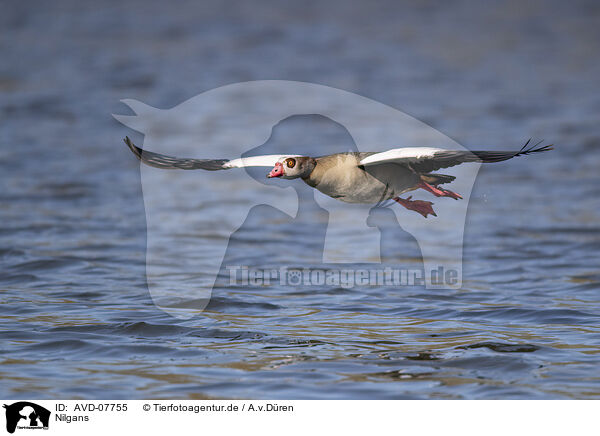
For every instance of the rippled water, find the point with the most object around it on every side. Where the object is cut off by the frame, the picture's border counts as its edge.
(76, 318)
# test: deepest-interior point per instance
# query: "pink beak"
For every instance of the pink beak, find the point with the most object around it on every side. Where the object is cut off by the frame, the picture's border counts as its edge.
(277, 171)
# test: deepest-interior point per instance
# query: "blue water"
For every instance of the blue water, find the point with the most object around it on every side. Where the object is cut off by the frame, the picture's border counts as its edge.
(76, 317)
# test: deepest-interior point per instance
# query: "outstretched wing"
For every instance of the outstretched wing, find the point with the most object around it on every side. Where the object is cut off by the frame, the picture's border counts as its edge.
(170, 162)
(425, 160)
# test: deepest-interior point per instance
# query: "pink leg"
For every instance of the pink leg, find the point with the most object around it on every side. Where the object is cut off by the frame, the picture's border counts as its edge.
(438, 192)
(423, 207)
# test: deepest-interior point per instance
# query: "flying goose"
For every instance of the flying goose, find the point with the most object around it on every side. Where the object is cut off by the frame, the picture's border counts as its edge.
(368, 177)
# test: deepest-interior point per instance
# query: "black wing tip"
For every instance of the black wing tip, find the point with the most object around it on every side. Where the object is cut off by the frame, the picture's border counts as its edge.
(135, 150)
(170, 162)
(500, 156)
(129, 144)
(525, 146)
(532, 149)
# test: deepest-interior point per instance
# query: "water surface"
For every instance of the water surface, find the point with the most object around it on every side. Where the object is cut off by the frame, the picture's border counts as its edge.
(76, 318)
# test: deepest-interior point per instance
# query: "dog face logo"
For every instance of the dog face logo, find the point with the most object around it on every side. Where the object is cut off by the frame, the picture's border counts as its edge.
(26, 415)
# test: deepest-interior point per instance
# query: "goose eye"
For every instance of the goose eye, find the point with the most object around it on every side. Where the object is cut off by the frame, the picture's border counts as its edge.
(291, 163)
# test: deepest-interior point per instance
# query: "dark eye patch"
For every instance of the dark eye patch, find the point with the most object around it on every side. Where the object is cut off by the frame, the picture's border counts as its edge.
(291, 163)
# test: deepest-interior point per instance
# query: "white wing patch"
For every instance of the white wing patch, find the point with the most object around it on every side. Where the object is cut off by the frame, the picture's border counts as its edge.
(400, 155)
(268, 160)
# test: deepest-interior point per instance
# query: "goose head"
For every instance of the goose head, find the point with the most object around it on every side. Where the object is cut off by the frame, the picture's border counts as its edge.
(293, 167)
